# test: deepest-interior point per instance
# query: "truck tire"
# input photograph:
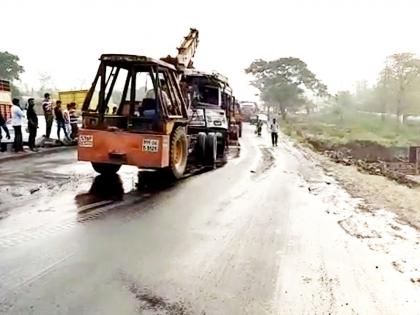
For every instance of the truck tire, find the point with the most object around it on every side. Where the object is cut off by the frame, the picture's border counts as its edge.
(221, 147)
(178, 153)
(211, 148)
(201, 147)
(106, 168)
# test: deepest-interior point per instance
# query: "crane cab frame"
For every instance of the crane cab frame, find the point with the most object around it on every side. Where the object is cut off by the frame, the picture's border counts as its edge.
(148, 132)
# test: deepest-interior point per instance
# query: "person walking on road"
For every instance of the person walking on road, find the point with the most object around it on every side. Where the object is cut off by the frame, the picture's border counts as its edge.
(3, 126)
(259, 125)
(32, 124)
(274, 132)
(17, 119)
(48, 114)
(59, 117)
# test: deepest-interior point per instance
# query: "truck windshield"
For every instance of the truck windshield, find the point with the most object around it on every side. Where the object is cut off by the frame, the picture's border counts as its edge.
(208, 94)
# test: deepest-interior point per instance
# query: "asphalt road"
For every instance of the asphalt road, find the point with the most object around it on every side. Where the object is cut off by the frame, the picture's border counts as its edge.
(262, 235)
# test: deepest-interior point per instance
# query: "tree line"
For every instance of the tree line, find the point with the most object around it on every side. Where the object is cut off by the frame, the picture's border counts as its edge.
(11, 70)
(287, 85)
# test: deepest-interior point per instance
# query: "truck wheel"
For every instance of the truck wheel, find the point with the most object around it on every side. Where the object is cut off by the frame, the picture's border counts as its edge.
(106, 168)
(178, 153)
(221, 147)
(211, 148)
(201, 147)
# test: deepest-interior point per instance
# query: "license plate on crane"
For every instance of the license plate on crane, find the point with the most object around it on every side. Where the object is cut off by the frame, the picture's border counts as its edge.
(150, 145)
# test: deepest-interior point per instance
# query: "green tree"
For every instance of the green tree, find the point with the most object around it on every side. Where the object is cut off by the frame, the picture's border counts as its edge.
(343, 102)
(10, 69)
(285, 83)
(46, 84)
(399, 80)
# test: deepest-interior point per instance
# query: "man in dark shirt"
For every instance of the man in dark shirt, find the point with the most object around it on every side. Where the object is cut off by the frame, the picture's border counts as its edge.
(32, 124)
(4, 127)
(59, 117)
(48, 113)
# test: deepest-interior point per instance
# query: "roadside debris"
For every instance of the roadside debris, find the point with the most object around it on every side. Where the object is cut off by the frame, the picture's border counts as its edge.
(371, 158)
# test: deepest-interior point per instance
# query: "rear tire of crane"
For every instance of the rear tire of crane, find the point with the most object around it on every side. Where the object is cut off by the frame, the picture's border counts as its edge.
(106, 168)
(211, 149)
(201, 147)
(178, 153)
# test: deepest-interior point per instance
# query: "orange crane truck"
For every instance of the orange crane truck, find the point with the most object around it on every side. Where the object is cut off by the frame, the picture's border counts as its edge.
(151, 126)
(148, 131)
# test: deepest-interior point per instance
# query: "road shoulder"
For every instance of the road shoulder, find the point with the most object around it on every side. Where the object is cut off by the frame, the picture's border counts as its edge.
(8, 156)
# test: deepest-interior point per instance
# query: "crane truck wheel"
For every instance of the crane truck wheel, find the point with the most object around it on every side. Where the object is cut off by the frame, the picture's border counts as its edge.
(201, 147)
(106, 168)
(211, 148)
(178, 153)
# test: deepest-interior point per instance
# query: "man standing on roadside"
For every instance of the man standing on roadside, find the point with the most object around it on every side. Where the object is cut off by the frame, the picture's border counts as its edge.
(274, 132)
(17, 119)
(59, 118)
(73, 120)
(48, 114)
(32, 124)
(6, 131)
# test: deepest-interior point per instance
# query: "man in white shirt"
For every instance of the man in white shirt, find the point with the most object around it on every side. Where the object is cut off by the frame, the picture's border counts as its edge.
(274, 132)
(17, 119)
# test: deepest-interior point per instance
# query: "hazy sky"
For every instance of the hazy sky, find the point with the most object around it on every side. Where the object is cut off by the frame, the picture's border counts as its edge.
(341, 41)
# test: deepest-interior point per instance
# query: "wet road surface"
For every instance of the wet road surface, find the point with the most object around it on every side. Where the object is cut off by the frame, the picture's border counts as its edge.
(262, 235)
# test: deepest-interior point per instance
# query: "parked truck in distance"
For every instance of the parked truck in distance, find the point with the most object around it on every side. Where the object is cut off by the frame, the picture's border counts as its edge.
(73, 96)
(5, 99)
(249, 110)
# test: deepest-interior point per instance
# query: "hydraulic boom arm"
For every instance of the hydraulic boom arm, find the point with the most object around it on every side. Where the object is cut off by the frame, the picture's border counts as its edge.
(186, 52)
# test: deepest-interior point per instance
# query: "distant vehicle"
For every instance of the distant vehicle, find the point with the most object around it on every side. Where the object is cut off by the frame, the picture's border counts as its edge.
(248, 110)
(237, 118)
(5, 99)
(263, 118)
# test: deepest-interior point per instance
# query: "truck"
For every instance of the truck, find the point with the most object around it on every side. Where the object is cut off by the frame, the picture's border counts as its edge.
(249, 110)
(211, 102)
(5, 99)
(73, 96)
(151, 127)
(155, 138)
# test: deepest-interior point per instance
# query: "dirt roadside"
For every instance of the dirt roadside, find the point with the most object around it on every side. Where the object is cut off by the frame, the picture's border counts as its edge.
(377, 191)
(381, 213)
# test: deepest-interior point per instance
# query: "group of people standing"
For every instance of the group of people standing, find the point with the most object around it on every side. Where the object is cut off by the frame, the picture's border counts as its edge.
(17, 120)
(66, 120)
